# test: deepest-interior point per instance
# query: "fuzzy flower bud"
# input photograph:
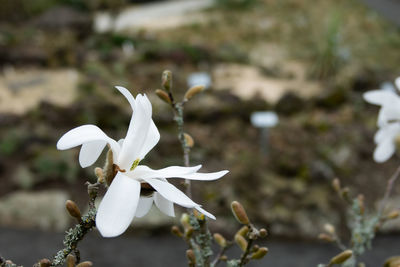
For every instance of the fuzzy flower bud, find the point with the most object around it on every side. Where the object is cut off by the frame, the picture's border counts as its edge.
(263, 232)
(193, 91)
(329, 228)
(336, 184)
(73, 209)
(99, 174)
(392, 262)
(199, 216)
(243, 231)
(44, 263)
(239, 213)
(163, 96)
(241, 242)
(341, 257)
(189, 140)
(189, 232)
(325, 237)
(185, 220)
(166, 80)
(71, 260)
(220, 240)
(190, 256)
(85, 264)
(176, 231)
(260, 253)
(393, 215)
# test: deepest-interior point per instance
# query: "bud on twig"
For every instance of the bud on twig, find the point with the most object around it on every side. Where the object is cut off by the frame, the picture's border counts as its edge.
(71, 260)
(190, 256)
(220, 240)
(392, 262)
(241, 242)
(263, 233)
(336, 185)
(44, 263)
(326, 237)
(163, 96)
(243, 231)
(260, 253)
(189, 140)
(342, 257)
(185, 220)
(239, 213)
(392, 215)
(329, 228)
(85, 264)
(193, 91)
(166, 80)
(176, 231)
(189, 232)
(73, 209)
(99, 174)
(199, 216)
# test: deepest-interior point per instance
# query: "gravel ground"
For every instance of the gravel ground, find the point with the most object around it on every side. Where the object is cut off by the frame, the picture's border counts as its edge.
(27, 246)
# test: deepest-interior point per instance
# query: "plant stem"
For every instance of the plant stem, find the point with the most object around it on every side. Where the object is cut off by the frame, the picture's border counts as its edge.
(246, 253)
(77, 233)
(389, 189)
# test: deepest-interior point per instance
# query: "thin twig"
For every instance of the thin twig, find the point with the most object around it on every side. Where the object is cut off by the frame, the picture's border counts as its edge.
(389, 189)
(246, 253)
(77, 233)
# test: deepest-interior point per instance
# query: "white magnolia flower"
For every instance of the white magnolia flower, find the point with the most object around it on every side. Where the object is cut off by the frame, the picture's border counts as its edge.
(388, 121)
(123, 200)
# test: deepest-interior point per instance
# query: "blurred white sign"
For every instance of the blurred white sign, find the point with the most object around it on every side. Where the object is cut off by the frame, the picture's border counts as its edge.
(264, 119)
(199, 78)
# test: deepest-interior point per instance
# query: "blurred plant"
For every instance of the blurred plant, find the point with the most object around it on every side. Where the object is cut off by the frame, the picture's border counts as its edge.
(329, 53)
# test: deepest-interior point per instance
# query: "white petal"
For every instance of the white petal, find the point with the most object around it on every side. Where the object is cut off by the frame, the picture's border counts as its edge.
(144, 206)
(142, 172)
(384, 150)
(171, 193)
(85, 134)
(90, 152)
(153, 136)
(118, 207)
(378, 97)
(397, 83)
(164, 204)
(206, 213)
(127, 95)
(137, 132)
(203, 176)
(389, 131)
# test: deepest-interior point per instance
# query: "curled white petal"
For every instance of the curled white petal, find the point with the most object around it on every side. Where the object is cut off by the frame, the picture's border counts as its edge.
(142, 172)
(171, 193)
(203, 176)
(137, 132)
(91, 135)
(164, 205)
(144, 206)
(90, 152)
(118, 207)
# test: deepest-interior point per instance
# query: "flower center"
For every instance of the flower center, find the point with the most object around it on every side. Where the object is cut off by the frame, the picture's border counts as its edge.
(135, 164)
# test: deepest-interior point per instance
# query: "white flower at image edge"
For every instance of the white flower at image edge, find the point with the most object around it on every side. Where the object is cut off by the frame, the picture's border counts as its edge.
(123, 201)
(388, 122)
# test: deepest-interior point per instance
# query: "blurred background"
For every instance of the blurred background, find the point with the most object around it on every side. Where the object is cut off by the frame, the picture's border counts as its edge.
(307, 61)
